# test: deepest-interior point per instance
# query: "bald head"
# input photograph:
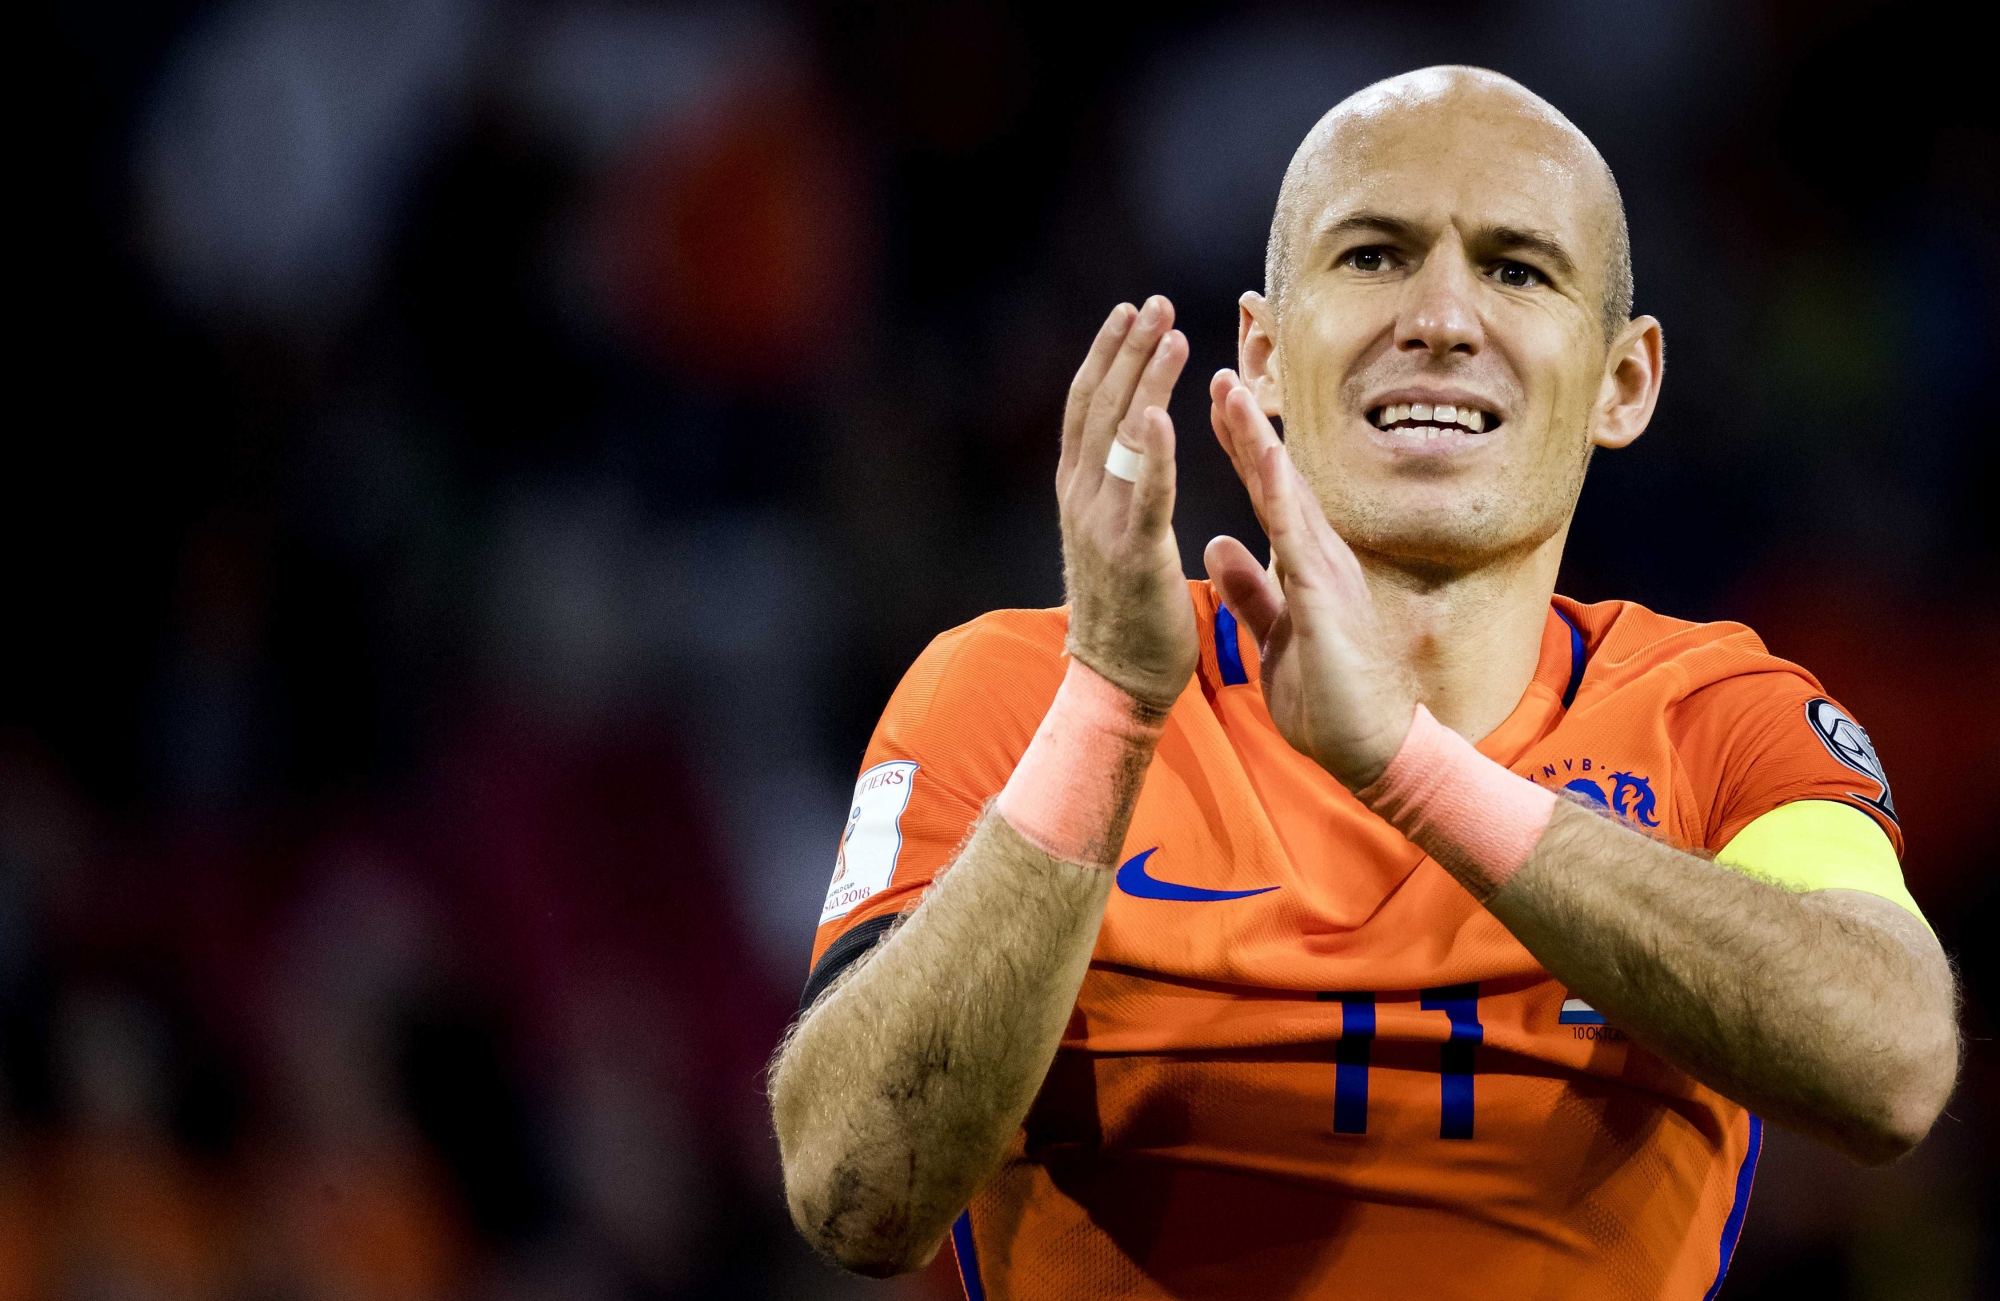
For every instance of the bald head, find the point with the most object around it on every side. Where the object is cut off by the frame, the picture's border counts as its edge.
(1434, 111)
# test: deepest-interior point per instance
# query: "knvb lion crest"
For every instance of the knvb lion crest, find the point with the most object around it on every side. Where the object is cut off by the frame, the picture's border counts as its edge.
(1630, 798)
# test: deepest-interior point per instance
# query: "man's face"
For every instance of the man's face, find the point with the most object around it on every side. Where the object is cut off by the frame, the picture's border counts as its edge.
(1448, 255)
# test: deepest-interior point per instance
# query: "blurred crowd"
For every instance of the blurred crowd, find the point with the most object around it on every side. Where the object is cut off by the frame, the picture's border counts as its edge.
(497, 456)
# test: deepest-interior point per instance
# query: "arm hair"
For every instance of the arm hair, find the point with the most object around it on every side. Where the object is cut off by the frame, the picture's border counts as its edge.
(898, 1092)
(1832, 1012)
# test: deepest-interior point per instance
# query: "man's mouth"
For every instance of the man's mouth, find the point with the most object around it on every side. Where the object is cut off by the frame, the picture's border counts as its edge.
(1423, 420)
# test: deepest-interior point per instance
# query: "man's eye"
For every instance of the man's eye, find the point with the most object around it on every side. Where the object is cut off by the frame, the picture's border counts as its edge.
(1369, 259)
(1516, 276)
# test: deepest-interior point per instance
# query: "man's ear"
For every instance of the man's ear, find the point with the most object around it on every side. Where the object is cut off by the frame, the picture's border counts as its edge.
(1257, 352)
(1633, 369)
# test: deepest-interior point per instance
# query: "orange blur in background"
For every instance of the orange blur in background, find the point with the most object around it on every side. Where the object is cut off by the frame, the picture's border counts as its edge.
(499, 458)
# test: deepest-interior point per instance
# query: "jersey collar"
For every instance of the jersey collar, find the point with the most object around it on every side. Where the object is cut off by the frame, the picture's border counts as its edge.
(1229, 659)
(1558, 673)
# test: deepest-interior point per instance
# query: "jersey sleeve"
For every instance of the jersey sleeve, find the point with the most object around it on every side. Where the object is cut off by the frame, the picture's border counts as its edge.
(947, 742)
(1756, 741)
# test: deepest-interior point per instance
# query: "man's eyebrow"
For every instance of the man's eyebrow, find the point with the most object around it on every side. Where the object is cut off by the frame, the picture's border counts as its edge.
(1377, 223)
(1500, 239)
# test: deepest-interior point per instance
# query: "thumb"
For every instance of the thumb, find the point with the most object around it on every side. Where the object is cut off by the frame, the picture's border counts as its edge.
(1250, 592)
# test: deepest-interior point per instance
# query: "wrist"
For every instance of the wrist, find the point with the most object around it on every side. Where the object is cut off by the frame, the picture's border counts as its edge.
(1358, 777)
(1477, 819)
(1072, 792)
(1148, 691)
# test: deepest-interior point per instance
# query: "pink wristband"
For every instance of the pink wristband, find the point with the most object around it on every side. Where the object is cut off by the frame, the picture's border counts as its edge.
(1466, 811)
(1090, 752)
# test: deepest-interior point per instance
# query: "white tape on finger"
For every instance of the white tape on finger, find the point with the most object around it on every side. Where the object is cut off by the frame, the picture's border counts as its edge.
(1124, 462)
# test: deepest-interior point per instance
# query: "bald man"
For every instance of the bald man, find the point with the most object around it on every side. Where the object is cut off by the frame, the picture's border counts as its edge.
(1376, 923)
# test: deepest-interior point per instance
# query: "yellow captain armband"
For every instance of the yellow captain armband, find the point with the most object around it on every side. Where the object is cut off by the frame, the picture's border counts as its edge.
(1820, 845)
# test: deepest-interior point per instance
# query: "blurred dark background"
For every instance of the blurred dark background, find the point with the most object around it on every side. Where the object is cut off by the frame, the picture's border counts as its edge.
(495, 459)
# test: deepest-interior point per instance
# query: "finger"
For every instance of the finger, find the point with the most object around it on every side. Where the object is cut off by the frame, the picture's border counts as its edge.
(1295, 547)
(1251, 428)
(1152, 509)
(1234, 414)
(1330, 544)
(1113, 397)
(1088, 376)
(1240, 424)
(1244, 585)
(1284, 502)
(1220, 385)
(1155, 387)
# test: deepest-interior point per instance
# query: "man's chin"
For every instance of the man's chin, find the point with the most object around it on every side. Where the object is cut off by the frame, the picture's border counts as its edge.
(1444, 537)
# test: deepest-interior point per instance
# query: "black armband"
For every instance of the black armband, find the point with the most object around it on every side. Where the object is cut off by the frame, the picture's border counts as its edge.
(850, 948)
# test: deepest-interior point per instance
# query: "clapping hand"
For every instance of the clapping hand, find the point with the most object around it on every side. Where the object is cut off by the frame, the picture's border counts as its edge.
(1334, 693)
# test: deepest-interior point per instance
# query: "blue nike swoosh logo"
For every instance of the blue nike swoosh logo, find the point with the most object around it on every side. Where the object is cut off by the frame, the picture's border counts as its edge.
(1132, 879)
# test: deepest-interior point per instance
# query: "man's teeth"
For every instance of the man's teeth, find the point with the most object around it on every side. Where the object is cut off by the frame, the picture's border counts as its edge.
(1429, 417)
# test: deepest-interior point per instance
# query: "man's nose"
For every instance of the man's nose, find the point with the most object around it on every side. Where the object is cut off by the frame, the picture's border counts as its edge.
(1439, 308)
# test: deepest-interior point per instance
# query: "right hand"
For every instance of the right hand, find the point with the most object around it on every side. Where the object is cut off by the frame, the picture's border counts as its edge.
(1334, 690)
(1131, 618)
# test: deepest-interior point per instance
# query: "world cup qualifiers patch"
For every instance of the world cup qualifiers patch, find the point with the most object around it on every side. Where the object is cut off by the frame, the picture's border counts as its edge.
(872, 838)
(1847, 741)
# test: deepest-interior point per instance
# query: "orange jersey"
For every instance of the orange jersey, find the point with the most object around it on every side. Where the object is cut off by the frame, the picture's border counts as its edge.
(1305, 1062)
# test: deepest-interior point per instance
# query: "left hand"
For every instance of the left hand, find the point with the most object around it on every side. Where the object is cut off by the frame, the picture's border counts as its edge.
(1335, 693)
(1130, 616)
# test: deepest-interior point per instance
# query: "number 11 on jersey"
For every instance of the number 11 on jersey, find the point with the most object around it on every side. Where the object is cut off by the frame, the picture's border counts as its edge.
(1351, 1054)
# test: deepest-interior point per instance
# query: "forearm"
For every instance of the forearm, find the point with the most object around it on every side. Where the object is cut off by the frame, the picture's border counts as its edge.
(902, 1088)
(900, 1091)
(1832, 1013)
